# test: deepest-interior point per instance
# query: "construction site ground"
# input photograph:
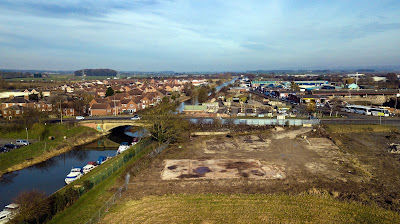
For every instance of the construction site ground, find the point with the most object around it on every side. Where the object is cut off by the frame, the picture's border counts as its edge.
(289, 161)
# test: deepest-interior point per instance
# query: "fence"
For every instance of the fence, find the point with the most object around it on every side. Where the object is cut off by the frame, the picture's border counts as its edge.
(236, 121)
(113, 166)
(104, 209)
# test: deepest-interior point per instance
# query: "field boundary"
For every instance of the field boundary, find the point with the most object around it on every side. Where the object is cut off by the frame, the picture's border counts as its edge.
(105, 208)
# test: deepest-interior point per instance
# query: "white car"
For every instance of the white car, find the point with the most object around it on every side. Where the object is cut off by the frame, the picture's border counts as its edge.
(21, 142)
(136, 117)
(80, 117)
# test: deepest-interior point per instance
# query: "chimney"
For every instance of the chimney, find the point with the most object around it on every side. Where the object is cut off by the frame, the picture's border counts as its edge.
(26, 97)
(11, 97)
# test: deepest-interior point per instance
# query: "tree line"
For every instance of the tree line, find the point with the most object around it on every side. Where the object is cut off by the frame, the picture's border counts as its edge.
(96, 72)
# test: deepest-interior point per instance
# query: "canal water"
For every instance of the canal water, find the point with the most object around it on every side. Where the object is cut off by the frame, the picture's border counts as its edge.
(49, 176)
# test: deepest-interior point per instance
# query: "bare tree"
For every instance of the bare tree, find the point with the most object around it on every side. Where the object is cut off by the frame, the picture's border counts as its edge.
(33, 207)
(334, 106)
(165, 125)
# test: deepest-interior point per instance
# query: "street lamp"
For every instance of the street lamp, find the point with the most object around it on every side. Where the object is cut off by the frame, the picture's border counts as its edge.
(27, 136)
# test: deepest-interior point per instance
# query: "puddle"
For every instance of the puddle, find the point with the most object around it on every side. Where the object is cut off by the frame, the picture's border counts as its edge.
(202, 170)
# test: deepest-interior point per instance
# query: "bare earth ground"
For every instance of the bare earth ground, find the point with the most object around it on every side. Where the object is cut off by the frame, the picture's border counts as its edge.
(278, 161)
(305, 163)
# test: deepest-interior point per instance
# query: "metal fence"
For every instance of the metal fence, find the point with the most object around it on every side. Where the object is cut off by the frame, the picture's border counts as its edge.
(244, 121)
(158, 150)
(105, 208)
(116, 164)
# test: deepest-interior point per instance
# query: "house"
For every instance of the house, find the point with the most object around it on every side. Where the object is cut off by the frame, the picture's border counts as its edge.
(99, 100)
(135, 92)
(100, 109)
(101, 92)
(44, 105)
(21, 101)
(13, 111)
(129, 106)
(115, 106)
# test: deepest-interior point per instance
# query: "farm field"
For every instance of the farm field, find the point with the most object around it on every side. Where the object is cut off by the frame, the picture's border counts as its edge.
(331, 169)
(213, 208)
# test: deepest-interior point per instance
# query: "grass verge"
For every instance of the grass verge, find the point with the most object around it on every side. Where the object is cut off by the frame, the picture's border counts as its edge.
(359, 128)
(216, 208)
(28, 155)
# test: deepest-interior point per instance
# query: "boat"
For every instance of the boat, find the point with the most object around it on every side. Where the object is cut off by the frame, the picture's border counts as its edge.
(102, 159)
(76, 173)
(123, 147)
(89, 167)
(9, 212)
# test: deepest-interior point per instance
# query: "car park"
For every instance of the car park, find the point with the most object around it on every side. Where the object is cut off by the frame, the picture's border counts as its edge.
(80, 117)
(21, 142)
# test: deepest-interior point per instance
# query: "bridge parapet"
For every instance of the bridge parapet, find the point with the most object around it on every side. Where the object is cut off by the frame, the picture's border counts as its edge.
(105, 126)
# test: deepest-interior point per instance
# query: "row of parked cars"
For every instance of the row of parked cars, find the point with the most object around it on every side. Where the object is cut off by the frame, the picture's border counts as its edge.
(18, 143)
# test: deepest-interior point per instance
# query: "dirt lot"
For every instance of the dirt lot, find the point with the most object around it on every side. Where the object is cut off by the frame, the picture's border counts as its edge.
(359, 169)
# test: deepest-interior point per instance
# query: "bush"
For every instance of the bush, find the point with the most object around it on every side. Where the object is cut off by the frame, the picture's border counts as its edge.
(87, 184)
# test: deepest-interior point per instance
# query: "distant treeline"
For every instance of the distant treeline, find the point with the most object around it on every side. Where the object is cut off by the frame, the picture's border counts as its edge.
(13, 75)
(96, 72)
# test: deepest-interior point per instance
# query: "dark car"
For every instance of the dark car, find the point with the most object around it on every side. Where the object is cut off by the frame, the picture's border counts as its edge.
(3, 150)
(10, 146)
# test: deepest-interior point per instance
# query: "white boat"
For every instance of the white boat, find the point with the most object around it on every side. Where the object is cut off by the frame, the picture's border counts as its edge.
(89, 167)
(75, 174)
(123, 147)
(9, 213)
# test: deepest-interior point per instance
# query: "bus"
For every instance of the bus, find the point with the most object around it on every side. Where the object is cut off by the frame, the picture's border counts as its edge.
(380, 112)
(358, 109)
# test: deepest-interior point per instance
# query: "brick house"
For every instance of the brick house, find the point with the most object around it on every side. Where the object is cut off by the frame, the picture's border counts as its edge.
(129, 105)
(13, 111)
(21, 101)
(100, 109)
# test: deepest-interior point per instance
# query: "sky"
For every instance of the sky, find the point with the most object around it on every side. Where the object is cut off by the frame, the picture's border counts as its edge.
(198, 35)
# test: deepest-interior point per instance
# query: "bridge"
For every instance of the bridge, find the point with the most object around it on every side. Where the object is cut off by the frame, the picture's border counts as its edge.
(105, 125)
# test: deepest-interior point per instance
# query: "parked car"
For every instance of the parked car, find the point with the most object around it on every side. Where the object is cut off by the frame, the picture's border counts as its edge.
(4, 149)
(21, 142)
(136, 117)
(80, 117)
(10, 146)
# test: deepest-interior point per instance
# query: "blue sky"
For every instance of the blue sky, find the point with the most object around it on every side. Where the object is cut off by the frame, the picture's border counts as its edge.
(198, 35)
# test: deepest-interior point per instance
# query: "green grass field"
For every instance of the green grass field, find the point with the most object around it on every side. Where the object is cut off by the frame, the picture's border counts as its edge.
(212, 208)
(37, 149)
(359, 128)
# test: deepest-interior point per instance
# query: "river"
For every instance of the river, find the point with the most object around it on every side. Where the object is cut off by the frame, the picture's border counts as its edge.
(49, 176)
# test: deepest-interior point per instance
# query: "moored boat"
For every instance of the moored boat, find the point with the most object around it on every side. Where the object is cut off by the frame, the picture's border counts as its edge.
(89, 167)
(9, 212)
(75, 174)
(123, 147)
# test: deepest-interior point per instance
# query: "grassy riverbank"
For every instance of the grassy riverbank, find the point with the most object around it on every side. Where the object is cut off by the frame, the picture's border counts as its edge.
(41, 151)
(89, 204)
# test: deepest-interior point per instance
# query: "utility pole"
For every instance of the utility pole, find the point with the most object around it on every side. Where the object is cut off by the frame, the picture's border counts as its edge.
(27, 136)
(115, 109)
(61, 112)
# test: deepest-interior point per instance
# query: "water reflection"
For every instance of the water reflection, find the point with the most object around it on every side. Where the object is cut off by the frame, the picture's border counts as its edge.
(8, 179)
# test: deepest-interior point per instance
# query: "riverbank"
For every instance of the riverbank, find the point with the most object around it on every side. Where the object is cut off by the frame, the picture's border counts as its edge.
(43, 150)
